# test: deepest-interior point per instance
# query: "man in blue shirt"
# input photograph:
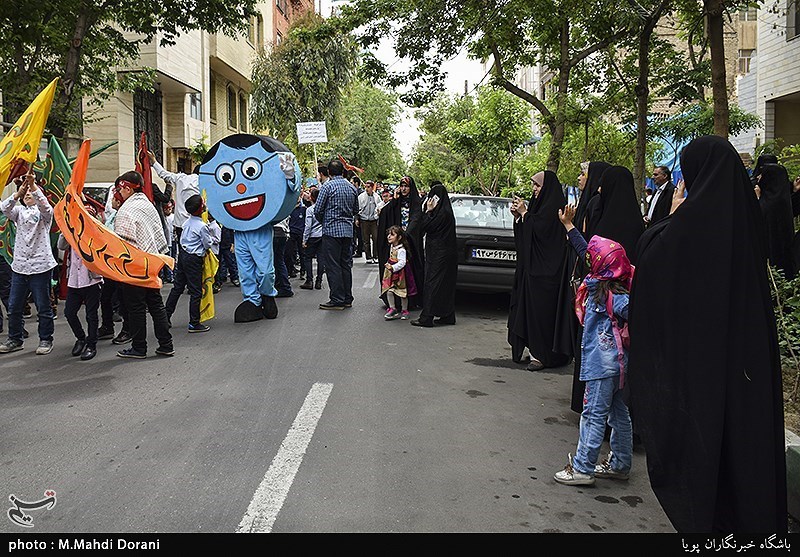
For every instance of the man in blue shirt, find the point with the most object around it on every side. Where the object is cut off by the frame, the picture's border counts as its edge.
(336, 208)
(195, 241)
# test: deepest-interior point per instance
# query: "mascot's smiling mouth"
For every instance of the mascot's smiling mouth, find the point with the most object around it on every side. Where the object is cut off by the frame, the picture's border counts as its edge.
(247, 208)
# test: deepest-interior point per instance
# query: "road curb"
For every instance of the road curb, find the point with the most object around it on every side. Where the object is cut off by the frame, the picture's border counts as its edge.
(793, 473)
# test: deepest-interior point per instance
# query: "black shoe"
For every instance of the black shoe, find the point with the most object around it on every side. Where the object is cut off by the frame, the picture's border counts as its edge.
(105, 334)
(88, 353)
(269, 307)
(131, 353)
(318, 285)
(348, 304)
(199, 328)
(331, 305)
(78, 347)
(421, 323)
(451, 320)
(285, 294)
(165, 351)
(292, 275)
(235, 283)
(117, 318)
(123, 337)
(535, 365)
(246, 312)
(307, 285)
(25, 333)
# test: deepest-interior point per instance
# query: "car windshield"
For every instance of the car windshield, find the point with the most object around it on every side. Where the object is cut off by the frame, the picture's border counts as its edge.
(489, 212)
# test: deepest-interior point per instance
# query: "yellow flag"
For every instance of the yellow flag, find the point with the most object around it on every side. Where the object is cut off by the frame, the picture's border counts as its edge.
(22, 141)
(210, 266)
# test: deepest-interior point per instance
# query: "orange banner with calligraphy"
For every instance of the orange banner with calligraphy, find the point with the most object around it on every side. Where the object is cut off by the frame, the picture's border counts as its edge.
(102, 251)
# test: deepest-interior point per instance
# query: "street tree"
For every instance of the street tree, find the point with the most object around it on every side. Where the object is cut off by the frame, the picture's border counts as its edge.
(489, 140)
(303, 79)
(85, 42)
(367, 117)
(561, 35)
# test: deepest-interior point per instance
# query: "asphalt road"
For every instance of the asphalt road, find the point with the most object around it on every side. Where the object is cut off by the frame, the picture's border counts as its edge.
(318, 421)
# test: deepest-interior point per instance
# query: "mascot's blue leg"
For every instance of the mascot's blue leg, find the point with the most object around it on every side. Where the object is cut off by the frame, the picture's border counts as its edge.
(256, 275)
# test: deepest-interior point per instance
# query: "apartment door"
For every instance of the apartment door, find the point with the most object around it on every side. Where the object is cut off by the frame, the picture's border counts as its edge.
(147, 118)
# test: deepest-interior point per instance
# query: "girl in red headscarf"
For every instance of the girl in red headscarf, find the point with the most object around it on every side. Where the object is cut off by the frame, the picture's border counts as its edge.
(601, 305)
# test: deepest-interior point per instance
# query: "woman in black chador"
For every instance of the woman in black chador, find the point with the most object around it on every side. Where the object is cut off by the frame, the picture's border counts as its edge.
(405, 211)
(568, 331)
(775, 201)
(441, 260)
(541, 249)
(704, 367)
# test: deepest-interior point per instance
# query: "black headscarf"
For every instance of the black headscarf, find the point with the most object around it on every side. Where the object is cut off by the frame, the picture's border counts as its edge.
(544, 232)
(618, 217)
(704, 367)
(595, 172)
(765, 158)
(776, 206)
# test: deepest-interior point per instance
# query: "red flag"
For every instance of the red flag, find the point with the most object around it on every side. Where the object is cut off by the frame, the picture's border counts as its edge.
(143, 166)
(349, 166)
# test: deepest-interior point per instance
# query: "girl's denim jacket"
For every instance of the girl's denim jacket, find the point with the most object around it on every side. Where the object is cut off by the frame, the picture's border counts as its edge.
(599, 355)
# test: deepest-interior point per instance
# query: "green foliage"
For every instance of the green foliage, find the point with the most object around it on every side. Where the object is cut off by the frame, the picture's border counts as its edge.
(304, 79)
(788, 155)
(366, 138)
(83, 42)
(199, 149)
(698, 120)
(471, 144)
(786, 299)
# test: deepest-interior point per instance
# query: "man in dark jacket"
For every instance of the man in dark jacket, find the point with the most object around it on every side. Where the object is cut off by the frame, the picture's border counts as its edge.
(294, 245)
(661, 203)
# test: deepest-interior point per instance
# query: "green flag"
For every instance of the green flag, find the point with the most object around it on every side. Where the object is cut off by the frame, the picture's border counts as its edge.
(55, 170)
(7, 234)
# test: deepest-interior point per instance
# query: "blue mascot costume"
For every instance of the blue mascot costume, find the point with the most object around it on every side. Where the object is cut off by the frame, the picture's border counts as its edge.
(251, 183)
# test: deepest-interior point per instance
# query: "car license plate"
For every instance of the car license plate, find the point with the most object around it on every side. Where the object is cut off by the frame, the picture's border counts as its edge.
(498, 254)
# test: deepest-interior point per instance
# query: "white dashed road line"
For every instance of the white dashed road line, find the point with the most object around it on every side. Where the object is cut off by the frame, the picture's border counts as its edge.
(272, 492)
(371, 278)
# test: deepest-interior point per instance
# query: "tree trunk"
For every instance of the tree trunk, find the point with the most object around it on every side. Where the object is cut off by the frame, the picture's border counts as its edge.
(559, 130)
(642, 108)
(71, 67)
(714, 13)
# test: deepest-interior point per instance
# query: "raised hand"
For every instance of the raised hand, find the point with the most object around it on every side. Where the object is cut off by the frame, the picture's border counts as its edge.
(678, 196)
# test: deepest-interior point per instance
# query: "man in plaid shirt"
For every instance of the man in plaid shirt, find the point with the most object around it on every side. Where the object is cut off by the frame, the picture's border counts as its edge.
(137, 221)
(336, 208)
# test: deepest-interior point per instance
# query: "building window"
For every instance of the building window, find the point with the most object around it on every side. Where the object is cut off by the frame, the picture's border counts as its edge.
(231, 107)
(278, 38)
(792, 19)
(212, 98)
(749, 14)
(281, 6)
(196, 106)
(252, 23)
(260, 32)
(745, 55)
(242, 112)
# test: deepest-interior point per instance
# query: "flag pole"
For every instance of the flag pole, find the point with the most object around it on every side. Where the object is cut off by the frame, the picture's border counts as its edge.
(316, 161)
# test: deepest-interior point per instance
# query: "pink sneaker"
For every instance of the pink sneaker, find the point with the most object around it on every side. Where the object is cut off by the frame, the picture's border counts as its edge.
(391, 314)
(404, 314)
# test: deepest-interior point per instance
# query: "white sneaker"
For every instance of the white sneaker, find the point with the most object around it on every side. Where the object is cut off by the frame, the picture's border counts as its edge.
(604, 470)
(45, 347)
(568, 476)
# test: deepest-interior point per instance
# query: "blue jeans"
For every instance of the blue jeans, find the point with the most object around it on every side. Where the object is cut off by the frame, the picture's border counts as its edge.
(38, 285)
(337, 259)
(602, 403)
